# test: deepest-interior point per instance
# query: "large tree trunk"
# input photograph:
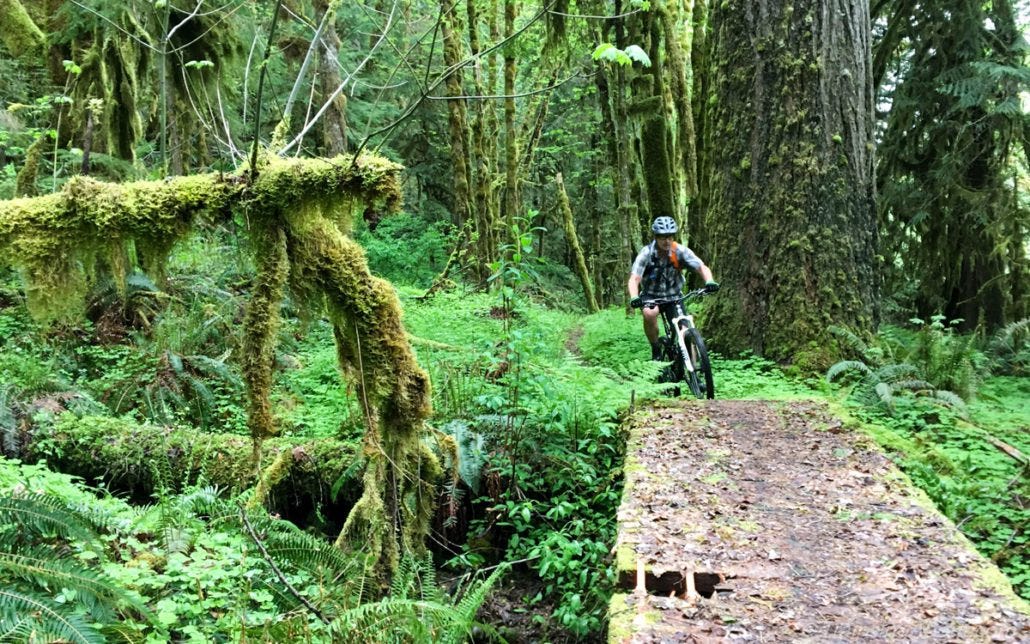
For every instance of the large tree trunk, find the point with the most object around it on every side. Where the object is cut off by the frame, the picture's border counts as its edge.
(789, 153)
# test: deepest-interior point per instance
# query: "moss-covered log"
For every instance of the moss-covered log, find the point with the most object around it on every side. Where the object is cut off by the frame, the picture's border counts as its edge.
(144, 460)
(298, 213)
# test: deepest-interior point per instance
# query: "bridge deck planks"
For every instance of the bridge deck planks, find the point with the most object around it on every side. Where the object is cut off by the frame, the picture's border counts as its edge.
(798, 529)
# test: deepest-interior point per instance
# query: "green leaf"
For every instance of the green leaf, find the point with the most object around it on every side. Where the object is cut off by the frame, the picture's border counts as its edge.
(634, 52)
(601, 52)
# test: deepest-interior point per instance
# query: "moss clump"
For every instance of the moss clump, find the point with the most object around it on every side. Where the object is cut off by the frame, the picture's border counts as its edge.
(25, 181)
(20, 34)
(57, 239)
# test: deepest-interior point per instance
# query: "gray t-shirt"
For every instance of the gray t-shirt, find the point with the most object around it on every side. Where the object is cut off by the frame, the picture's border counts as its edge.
(660, 277)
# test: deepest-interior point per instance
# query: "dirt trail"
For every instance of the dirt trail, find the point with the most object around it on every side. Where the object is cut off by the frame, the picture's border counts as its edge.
(798, 530)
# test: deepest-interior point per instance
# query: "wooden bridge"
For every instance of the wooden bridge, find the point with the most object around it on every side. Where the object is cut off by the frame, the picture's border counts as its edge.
(771, 522)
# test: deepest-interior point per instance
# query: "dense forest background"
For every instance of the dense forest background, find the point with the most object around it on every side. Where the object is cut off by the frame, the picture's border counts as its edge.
(855, 173)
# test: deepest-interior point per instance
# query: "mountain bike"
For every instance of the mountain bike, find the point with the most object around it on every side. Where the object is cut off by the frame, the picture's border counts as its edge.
(682, 345)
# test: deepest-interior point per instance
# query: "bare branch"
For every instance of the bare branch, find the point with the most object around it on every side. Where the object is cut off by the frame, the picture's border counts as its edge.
(447, 72)
(342, 85)
(495, 96)
(278, 573)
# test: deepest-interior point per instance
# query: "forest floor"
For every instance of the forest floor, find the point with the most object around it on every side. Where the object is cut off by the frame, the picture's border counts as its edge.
(796, 529)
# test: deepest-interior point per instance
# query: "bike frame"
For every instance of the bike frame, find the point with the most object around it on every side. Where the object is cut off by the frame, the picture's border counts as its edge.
(672, 312)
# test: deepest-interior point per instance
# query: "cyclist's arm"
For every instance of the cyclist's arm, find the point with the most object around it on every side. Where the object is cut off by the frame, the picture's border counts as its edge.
(705, 272)
(636, 272)
(633, 286)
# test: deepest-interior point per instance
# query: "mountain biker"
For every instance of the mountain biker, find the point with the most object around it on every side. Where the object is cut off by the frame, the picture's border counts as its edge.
(657, 272)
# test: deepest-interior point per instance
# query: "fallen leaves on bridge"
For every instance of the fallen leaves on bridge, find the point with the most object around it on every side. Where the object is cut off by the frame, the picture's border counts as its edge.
(758, 522)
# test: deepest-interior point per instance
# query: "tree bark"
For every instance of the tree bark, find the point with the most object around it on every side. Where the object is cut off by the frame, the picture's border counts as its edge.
(482, 154)
(334, 122)
(573, 239)
(789, 154)
(511, 153)
(457, 116)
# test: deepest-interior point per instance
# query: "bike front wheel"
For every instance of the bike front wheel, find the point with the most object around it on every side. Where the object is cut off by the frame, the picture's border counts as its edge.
(698, 373)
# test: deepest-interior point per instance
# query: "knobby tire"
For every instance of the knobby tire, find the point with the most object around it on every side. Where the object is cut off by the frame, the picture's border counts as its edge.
(700, 380)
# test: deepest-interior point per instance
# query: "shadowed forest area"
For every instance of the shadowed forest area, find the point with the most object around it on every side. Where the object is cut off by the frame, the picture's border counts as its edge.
(313, 314)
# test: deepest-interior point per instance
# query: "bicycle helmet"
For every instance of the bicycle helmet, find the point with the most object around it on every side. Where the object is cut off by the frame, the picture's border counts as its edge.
(664, 226)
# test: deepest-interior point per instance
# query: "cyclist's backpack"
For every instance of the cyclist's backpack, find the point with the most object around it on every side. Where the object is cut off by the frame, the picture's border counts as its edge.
(651, 272)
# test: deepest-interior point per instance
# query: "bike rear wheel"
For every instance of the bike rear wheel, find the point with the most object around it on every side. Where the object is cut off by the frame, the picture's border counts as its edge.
(699, 378)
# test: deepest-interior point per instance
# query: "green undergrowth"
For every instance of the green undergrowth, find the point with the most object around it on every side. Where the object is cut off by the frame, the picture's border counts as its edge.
(530, 397)
(928, 397)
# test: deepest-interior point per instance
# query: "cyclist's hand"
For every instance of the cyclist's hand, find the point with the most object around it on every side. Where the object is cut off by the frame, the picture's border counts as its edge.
(711, 286)
(636, 302)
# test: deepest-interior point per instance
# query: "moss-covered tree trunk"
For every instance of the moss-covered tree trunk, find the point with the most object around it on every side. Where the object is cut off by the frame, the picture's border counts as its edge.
(511, 155)
(569, 225)
(456, 112)
(699, 53)
(675, 22)
(483, 151)
(19, 34)
(789, 152)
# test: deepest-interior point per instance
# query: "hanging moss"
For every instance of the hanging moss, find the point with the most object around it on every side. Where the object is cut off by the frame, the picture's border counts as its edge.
(271, 477)
(394, 390)
(56, 238)
(25, 181)
(260, 326)
(298, 212)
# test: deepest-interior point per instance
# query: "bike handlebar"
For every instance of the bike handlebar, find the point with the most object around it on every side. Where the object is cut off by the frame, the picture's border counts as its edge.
(690, 295)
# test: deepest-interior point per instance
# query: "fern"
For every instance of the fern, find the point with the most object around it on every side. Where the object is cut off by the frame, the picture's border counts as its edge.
(33, 565)
(25, 617)
(950, 399)
(418, 610)
(1009, 348)
(895, 372)
(43, 516)
(850, 340)
(96, 592)
(885, 393)
(845, 366)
